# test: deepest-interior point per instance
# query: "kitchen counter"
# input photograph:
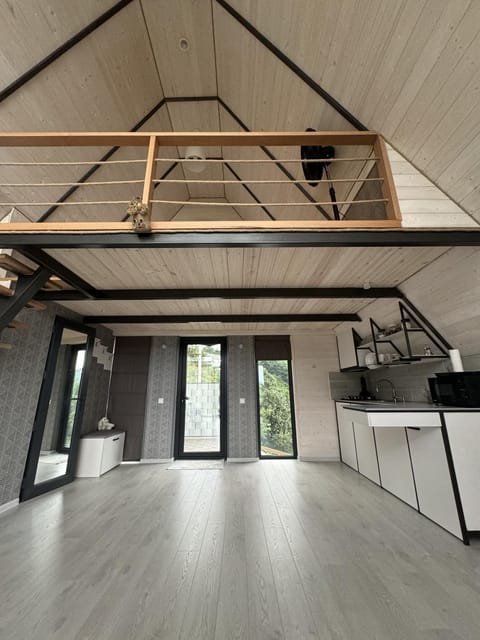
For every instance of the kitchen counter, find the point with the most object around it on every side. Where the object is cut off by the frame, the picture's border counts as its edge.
(379, 406)
(425, 454)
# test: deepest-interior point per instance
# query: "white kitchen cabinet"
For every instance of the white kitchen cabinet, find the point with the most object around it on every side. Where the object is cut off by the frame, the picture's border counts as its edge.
(366, 453)
(99, 452)
(394, 463)
(432, 477)
(346, 437)
(464, 436)
(347, 353)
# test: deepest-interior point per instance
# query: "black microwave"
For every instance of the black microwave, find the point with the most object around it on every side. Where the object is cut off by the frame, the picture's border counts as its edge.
(456, 389)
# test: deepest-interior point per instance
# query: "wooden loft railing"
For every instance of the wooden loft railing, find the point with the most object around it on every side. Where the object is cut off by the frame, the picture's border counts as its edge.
(357, 154)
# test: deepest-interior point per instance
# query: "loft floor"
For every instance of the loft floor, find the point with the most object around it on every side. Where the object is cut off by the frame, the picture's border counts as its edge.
(276, 549)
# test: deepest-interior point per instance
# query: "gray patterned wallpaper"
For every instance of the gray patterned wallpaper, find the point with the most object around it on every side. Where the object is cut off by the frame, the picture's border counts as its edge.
(241, 383)
(162, 383)
(21, 373)
(242, 437)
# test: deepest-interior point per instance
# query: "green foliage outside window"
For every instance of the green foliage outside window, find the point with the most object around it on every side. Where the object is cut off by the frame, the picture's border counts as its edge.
(275, 411)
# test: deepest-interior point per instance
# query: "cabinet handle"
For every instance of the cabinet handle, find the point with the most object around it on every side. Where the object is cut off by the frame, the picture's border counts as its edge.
(117, 438)
(414, 428)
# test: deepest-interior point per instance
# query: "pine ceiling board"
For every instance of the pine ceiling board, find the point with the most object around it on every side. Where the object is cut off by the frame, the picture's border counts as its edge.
(203, 213)
(269, 171)
(183, 72)
(30, 31)
(408, 69)
(249, 267)
(198, 189)
(209, 306)
(41, 174)
(196, 116)
(117, 172)
(262, 91)
(221, 329)
(107, 81)
(427, 39)
(237, 193)
(432, 76)
(199, 116)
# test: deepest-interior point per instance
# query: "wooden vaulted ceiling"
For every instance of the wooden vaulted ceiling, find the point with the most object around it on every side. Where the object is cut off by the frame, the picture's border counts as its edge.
(407, 69)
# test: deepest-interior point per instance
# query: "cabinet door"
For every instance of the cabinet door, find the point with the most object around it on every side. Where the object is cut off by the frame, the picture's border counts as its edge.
(366, 452)
(394, 463)
(432, 477)
(112, 452)
(346, 437)
(464, 435)
(347, 354)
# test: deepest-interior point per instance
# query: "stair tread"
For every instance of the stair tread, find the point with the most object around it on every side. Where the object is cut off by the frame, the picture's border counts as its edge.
(5, 291)
(17, 324)
(36, 305)
(14, 266)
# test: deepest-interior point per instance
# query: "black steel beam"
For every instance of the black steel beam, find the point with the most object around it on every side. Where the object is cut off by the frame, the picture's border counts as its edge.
(227, 294)
(39, 256)
(96, 167)
(25, 241)
(63, 48)
(26, 288)
(276, 317)
(293, 67)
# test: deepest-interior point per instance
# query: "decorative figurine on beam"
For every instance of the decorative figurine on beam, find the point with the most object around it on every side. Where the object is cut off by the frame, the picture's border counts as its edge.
(140, 214)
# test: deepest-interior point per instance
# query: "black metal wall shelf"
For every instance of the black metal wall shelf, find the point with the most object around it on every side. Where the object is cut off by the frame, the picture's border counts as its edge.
(411, 322)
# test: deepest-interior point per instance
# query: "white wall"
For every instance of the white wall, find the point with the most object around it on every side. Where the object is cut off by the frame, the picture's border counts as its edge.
(313, 357)
(421, 202)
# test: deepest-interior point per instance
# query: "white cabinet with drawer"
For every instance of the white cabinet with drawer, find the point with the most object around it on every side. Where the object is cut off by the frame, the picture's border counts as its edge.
(346, 437)
(99, 452)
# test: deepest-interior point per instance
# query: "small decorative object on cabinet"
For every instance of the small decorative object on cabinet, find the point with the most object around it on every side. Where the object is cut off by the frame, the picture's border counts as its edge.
(100, 451)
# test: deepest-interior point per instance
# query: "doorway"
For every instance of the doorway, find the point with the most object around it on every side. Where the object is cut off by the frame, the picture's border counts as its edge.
(201, 399)
(276, 411)
(56, 430)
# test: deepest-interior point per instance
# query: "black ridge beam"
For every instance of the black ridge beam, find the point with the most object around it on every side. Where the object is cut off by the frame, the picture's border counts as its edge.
(63, 48)
(319, 90)
(26, 241)
(26, 288)
(39, 256)
(227, 294)
(191, 99)
(282, 168)
(96, 167)
(282, 317)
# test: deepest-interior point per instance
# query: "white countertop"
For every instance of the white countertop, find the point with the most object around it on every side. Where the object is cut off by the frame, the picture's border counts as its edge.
(372, 406)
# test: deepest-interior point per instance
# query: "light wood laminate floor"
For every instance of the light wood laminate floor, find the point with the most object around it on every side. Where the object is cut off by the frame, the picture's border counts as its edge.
(269, 550)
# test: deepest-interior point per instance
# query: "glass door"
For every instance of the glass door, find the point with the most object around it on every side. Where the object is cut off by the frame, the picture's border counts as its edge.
(200, 429)
(56, 430)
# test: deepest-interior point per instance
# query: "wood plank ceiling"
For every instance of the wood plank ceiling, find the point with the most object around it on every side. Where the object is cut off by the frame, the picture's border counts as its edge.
(408, 69)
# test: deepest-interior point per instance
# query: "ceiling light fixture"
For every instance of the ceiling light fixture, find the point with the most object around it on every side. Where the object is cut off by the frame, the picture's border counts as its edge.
(183, 44)
(197, 157)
